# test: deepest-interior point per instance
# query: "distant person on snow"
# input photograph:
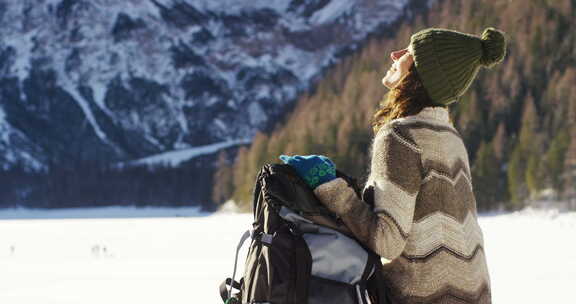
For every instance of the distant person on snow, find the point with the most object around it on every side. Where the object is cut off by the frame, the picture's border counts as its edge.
(424, 221)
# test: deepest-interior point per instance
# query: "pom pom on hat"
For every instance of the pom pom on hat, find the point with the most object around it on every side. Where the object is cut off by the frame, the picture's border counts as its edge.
(493, 47)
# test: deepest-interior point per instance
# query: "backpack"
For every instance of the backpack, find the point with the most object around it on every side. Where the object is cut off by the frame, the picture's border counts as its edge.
(292, 258)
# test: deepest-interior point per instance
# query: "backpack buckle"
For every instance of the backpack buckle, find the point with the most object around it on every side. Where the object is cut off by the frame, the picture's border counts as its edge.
(294, 229)
(265, 238)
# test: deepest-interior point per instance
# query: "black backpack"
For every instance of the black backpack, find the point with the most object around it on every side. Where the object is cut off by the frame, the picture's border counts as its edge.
(292, 258)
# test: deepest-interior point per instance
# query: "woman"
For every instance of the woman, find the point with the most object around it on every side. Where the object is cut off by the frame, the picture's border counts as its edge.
(424, 220)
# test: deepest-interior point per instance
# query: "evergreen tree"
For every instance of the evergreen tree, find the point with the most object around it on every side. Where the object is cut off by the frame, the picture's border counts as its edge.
(486, 178)
(569, 176)
(533, 175)
(499, 141)
(242, 180)
(555, 157)
(516, 173)
(223, 180)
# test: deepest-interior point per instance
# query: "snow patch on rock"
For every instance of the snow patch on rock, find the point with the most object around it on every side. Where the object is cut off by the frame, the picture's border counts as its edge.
(175, 158)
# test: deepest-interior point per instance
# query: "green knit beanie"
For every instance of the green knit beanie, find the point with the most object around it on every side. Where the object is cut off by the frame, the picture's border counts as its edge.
(447, 61)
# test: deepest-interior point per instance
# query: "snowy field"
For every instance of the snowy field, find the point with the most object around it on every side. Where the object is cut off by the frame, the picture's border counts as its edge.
(180, 256)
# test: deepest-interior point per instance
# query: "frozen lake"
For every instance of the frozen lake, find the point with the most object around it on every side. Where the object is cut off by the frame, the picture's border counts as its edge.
(170, 256)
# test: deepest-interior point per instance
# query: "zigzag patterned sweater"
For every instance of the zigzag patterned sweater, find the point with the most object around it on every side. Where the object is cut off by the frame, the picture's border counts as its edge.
(424, 221)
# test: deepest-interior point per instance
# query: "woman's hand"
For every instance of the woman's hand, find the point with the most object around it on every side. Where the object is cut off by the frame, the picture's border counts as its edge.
(314, 169)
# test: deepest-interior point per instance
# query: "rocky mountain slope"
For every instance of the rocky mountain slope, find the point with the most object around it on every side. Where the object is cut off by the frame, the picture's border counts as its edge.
(113, 81)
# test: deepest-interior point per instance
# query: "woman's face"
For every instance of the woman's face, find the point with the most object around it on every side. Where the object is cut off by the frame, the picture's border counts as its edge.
(402, 60)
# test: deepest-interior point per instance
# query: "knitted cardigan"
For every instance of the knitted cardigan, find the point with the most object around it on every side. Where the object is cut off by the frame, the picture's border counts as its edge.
(424, 221)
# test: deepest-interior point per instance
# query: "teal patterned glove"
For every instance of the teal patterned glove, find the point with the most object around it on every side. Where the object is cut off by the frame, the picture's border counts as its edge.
(314, 169)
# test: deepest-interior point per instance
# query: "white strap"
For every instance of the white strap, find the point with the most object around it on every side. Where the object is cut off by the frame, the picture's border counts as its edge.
(362, 298)
(245, 236)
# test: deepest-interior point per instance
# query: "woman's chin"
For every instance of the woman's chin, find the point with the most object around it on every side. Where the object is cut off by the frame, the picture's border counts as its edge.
(387, 83)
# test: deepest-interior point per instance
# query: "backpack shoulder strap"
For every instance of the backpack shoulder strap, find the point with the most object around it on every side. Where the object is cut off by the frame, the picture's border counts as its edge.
(227, 294)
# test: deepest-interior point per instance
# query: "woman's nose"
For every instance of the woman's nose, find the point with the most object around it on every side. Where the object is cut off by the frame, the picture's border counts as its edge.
(397, 54)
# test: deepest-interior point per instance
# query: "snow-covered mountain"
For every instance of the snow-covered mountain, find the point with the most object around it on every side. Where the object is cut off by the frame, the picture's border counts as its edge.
(114, 81)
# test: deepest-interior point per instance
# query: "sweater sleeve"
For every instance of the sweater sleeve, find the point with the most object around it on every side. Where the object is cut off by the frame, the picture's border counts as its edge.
(396, 175)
